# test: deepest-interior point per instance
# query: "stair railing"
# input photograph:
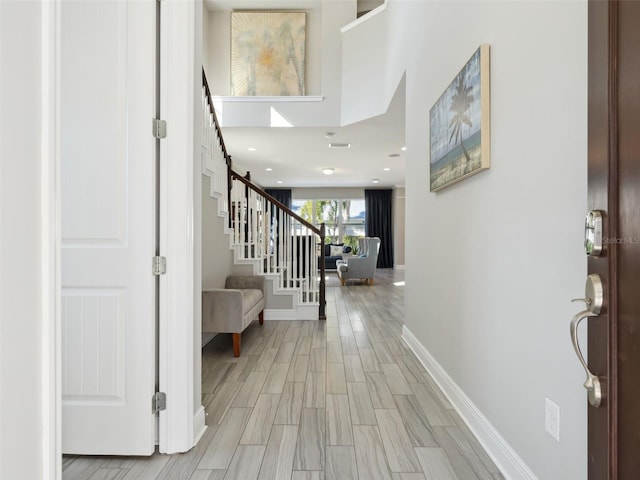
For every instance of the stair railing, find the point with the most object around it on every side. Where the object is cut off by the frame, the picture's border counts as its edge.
(266, 232)
(217, 159)
(285, 245)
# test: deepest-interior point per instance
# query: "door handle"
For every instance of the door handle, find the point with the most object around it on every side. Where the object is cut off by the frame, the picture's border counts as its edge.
(592, 383)
(594, 296)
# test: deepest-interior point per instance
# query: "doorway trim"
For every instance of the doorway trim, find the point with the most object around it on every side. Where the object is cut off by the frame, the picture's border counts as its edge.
(51, 240)
(183, 422)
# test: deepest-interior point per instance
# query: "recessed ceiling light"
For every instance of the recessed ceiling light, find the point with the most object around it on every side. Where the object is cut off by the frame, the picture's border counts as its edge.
(329, 134)
(252, 149)
(339, 145)
(375, 180)
(268, 169)
(387, 169)
(279, 181)
(392, 155)
(403, 148)
(328, 171)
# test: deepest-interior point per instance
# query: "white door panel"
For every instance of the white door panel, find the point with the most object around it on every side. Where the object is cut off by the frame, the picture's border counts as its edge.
(107, 78)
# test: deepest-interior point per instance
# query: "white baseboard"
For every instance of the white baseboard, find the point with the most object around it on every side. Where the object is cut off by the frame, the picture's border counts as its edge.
(399, 267)
(505, 458)
(302, 313)
(199, 425)
(307, 312)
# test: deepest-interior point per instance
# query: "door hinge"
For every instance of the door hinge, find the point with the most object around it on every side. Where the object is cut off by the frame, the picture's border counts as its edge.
(159, 265)
(159, 402)
(159, 128)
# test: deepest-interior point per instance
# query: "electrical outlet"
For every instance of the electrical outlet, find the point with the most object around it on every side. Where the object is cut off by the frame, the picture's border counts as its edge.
(552, 419)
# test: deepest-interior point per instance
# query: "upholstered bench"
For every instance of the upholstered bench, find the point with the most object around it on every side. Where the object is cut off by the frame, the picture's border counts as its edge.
(233, 308)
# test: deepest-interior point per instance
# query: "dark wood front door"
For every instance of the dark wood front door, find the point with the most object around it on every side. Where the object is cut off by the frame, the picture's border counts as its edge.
(614, 189)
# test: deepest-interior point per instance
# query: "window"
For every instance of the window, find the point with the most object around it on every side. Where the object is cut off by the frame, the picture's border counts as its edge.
(343, 219)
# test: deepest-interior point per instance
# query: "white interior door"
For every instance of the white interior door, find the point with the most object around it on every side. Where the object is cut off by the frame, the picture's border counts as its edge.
(108, 88)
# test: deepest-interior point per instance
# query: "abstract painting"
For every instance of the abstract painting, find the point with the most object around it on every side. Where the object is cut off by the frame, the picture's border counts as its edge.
(267, 53)
(460, 134)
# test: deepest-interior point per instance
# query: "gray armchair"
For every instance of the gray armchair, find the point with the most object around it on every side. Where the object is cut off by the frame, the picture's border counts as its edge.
(363, 266)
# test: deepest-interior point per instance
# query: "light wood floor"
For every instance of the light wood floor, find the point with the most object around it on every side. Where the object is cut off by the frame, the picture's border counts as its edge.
(308, 400)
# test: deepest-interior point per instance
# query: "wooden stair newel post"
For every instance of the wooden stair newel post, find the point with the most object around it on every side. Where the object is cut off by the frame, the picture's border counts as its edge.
(322, 314)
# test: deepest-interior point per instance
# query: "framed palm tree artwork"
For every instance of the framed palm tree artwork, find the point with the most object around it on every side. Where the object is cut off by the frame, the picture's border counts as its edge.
(460, 136)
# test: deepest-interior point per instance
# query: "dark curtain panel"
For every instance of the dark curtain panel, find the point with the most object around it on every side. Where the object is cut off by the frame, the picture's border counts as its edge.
(379, 223)
(283, 195)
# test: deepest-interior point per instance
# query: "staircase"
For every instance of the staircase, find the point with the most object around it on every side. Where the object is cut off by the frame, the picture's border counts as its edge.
(263, 233)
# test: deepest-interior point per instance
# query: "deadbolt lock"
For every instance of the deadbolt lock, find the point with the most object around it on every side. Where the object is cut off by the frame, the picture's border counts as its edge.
(593, 233)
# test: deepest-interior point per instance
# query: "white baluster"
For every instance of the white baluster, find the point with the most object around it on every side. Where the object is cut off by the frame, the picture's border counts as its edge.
(286, 255)
(305, 284)
(285, 251)
(236, 213)
(254, 224)
(233, 213)
(249, 229)
(223, 181)
(245, 221)
(313, 276)
(295, 249)
(289, 257)
(280, 246)
(266, 228)
(268, 239)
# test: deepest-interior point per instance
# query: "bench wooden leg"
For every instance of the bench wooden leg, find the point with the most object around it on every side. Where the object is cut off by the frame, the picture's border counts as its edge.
(342, 281)
(370, 281)
(261, 317)
(236, 344)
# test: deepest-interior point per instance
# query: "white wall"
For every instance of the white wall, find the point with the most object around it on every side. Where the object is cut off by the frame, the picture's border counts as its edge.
(364, 60)
(495, 259)
(216, 50)
(217, 256)
(322, 73)
(374, 55)
(27, 243)
(398, 226)
(327, 192)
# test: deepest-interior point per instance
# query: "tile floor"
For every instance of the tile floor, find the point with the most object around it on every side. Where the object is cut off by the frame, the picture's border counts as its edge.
(309, 400)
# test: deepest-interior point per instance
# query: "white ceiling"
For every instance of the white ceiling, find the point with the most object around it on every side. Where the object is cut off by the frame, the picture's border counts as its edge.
(297, 155)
